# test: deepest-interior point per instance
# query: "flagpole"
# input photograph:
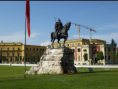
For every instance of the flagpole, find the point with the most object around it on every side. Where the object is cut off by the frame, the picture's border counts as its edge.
(25, 51)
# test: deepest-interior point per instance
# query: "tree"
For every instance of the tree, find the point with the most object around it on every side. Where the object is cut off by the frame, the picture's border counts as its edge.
(26, 58)
(3, 58)
(113, 56)
(113, 42)
(117, 55)
(16, 59)
(38, 58)
(31, 58)
(85, 56)
(98, 57)
(101, 57)
(10, 58)
(20, 58)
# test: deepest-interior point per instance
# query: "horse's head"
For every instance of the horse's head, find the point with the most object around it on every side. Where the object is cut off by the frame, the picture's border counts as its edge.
(67, 26)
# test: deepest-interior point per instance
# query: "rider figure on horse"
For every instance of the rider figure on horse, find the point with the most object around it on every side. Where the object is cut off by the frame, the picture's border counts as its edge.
(58, 26)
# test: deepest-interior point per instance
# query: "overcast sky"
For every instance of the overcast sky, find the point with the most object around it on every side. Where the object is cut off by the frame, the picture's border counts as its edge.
(103, 15)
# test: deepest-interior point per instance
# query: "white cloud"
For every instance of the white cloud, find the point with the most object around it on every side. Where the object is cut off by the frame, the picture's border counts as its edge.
(106, 37)
(17, 37)
(46, 43)
(108, 26)
(33, 35)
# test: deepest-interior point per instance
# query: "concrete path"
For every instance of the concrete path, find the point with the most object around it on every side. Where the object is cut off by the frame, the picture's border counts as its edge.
(97, 66)
(18, 64)
(88, 66)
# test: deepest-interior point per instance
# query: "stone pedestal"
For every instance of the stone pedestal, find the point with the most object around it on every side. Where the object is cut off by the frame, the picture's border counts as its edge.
(55, 61)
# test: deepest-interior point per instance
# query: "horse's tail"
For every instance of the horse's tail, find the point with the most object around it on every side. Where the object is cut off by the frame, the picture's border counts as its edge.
(51, 36)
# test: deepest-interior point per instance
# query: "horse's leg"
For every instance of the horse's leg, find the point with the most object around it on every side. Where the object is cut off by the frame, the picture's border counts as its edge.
(58, 42)
(53, 42)
(51, 37)
(64, 41)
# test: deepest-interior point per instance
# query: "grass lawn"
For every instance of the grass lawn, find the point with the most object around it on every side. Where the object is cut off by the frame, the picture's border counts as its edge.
(12, 77)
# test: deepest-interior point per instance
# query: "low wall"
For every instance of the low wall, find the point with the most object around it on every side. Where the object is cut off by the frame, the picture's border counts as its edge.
(77, 66)
(18, 64)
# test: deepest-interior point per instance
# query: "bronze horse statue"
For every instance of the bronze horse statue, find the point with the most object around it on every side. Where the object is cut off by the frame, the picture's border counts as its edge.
(63, 33)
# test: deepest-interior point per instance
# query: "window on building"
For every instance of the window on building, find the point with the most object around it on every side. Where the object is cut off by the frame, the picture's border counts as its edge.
(18, 48)
(78, 43)
(67, 45)
(37, 49)
(41, 49)
(18, 54)
(13, 54)
(13, 48)
(30, 53)
(26, 48)
(1, 54)
(93, 43)
(72, 44)
(33, 49)
(62, 45)
(1, 48)
(34, 54)
(7, 48)
(105, 57)
(26, 54)
(7, 53)
(30, 49)
(109, 49)
(79, 49)
(57, 46)
(85, 50)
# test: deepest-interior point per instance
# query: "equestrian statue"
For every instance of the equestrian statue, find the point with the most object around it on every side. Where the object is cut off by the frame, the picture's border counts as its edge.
(60, 32)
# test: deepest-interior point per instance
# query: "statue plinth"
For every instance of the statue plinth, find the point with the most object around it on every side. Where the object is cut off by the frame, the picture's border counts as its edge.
(55, 61)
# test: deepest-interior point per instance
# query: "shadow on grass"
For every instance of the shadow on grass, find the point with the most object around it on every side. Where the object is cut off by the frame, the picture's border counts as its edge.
(29, 76)
(89, 72)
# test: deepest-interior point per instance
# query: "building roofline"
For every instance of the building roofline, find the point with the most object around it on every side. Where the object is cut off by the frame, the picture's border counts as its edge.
(35, 45)
(10, 42)
(20, 43)
(82, 40)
